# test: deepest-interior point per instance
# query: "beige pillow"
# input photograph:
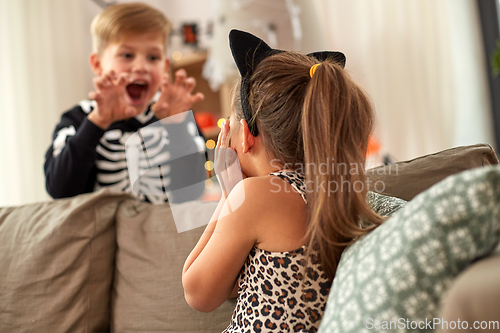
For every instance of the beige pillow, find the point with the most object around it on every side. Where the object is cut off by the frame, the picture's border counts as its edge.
(56, 265)
(408, 178)
(148, 294)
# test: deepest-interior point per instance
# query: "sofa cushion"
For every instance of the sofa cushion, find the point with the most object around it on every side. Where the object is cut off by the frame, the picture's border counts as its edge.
(474, 296)
(407, 179)
(384, 205)
(400, 271)
(57, 264)
(148, 295)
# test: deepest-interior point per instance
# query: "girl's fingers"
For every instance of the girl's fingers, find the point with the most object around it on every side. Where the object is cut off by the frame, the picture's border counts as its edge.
(217, 146)
(221, 142)
(224, 132)
(218, 139)
(223, 135)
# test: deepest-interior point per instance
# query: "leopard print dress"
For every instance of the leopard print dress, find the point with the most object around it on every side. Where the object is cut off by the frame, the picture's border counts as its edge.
(280, 291)
(271, 296)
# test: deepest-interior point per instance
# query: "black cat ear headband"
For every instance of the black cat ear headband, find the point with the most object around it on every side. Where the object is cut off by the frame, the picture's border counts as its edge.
(248, 51)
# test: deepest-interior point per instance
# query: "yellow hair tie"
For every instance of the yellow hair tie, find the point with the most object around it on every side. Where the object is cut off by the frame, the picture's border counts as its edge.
(313, 69)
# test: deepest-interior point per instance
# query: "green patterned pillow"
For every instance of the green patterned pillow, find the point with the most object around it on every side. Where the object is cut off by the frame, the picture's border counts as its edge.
(383, 204)
(393, 278)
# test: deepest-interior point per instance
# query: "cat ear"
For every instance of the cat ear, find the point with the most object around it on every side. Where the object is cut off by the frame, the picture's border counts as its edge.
(337, 57)
(248, 51)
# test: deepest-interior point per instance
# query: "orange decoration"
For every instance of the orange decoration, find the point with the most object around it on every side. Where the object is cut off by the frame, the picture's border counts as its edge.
(205, 119)
(373, 146)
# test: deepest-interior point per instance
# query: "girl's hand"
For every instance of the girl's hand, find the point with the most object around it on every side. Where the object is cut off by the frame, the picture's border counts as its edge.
(226, 164)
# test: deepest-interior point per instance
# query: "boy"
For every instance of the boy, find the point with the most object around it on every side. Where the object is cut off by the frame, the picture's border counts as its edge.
(130, 64)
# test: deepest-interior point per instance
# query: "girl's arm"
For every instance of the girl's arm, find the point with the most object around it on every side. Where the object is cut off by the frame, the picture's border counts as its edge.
(205, 237)
(211, 270)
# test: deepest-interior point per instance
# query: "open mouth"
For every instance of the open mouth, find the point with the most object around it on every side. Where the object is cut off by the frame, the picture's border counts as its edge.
(137, 90)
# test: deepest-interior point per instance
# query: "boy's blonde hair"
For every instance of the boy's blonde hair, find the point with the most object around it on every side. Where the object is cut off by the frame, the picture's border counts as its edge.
(117, 21)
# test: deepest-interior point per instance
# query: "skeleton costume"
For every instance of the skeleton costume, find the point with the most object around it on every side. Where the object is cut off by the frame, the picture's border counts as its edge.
(84, 158)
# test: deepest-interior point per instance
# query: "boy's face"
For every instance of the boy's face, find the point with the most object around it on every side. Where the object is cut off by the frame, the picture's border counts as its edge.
(142, 58)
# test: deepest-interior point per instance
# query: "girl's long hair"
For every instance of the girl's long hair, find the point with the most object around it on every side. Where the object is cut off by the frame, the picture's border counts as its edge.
(319, 126)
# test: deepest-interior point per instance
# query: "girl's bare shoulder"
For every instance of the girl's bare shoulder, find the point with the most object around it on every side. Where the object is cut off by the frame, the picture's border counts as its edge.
(275, 209)
(269, 190)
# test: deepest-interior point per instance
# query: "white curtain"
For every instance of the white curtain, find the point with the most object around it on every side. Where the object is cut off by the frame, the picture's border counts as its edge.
(422, 63)
(44, 47)
(283, 24)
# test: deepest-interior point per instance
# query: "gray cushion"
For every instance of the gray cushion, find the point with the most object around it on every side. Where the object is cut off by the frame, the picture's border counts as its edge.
(57, 264)
(408, 178)
(148, 294)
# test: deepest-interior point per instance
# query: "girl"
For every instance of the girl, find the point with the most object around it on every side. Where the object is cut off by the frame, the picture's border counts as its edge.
(300, 128)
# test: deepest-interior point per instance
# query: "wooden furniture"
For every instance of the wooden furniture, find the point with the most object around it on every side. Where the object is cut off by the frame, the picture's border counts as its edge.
(216, 102)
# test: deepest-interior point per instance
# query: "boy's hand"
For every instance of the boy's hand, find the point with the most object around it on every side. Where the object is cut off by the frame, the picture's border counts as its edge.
(110, 98)
(177, 97)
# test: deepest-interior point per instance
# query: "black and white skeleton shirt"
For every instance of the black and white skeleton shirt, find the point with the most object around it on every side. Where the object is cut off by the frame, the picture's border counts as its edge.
(84, 158)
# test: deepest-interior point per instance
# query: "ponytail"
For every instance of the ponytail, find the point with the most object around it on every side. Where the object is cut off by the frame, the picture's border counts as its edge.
(337, 119)
(320, 119)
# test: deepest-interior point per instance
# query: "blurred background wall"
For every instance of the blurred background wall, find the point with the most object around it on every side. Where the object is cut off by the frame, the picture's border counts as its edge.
(421, 61)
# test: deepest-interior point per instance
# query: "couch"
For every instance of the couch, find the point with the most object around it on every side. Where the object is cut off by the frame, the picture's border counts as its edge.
(104, 262)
